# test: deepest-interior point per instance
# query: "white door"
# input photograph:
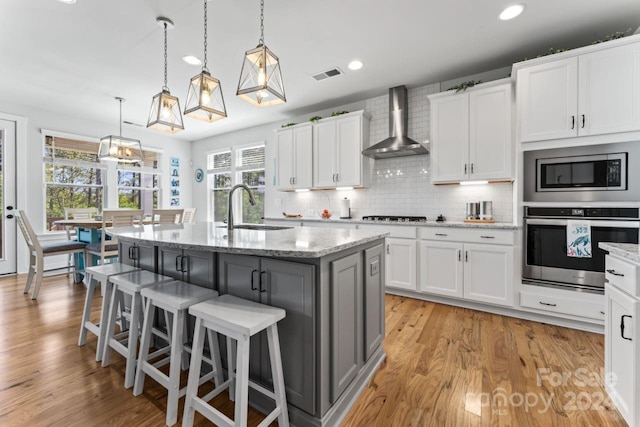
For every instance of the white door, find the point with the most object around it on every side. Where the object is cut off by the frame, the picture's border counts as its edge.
(8, 197)
(609, 91)
(547, 97)
(349, 151)
(285, 159)
(450, 138)
(324, 154)
(441, 268)
(488, 273)
(401, 263)
(303, 157)
(490, 142)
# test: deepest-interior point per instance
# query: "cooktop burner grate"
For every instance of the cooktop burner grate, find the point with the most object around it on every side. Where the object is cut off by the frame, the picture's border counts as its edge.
(392, 218)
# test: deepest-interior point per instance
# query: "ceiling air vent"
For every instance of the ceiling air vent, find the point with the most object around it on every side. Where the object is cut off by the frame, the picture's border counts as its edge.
(333, 72)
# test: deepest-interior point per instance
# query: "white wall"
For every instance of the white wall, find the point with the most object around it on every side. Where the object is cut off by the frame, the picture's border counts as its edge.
(30, 152)
(398, 186)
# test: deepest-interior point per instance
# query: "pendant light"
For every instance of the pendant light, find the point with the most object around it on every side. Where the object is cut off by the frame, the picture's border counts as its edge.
(204, 99)
(165, 114)
(119, 148)
(261, 79)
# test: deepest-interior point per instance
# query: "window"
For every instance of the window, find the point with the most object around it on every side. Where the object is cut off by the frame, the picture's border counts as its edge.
(73, 177)
(138, 186)
(234, 166)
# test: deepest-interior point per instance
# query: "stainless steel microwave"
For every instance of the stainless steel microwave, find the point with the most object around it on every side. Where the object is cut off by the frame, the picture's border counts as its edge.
(583, 174)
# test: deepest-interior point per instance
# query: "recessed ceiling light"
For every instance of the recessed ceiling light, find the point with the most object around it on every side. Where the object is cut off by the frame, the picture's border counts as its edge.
(192, 60)
(511, 12)
(67, 1)
(355, 65)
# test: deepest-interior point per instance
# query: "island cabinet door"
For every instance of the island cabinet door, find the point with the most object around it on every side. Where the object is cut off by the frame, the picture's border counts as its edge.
(198, 268)
(346, 322)
(169, 262)
(145, 256)
(290, 286)
(373, 310)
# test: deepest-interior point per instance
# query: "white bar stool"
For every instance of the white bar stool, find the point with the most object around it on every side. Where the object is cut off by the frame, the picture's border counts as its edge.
(175, 298)
(128, 284)
(238, 319)
(99, 274)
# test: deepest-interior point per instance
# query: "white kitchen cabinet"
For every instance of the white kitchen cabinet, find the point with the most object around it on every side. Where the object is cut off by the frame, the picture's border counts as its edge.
(588, 91)
(401, 263)
(471, 136)
(441, 269)
(488, 273)
(294, 151)
(337, 151)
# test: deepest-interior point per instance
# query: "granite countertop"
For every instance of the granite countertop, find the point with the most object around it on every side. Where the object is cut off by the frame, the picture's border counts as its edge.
(630, 251)
(295, 242)
(461, 224)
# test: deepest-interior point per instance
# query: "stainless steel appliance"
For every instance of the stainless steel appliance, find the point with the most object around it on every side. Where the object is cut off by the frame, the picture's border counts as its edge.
(472, 210)
(583, 174)
(546, 261)
(486, 209)
(391, 218)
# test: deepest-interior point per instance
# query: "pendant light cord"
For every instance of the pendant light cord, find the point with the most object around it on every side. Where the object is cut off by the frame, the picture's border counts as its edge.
(204, 63)
(165, 58)
(261, 42)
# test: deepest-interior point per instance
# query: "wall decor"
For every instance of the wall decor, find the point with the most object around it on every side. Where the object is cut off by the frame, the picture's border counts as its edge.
(199, 175)
(175, 181)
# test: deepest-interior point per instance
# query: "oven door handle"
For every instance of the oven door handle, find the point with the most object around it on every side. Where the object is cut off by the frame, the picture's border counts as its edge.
(592, 223)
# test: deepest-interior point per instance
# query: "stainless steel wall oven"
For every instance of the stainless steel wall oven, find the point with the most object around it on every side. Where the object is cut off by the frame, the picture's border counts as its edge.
(547, 261)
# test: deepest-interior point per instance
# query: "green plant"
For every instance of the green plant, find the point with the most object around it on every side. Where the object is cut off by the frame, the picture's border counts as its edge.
(287, 125)
(465, 85)
(315, 119)
(338, 113)
(614, 36)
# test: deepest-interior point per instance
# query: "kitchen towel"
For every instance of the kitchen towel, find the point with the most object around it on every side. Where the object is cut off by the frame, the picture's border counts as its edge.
(578, 239)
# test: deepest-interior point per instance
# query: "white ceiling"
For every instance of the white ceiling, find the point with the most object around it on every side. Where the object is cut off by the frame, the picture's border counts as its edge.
(76, 58)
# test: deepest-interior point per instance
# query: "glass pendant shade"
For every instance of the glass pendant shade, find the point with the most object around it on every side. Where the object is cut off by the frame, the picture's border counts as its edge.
(120, 149)
(204, 100)
(165, 114)
(261, 79)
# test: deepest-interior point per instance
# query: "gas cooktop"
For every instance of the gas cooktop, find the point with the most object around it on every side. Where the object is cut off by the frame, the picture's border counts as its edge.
(390, 218)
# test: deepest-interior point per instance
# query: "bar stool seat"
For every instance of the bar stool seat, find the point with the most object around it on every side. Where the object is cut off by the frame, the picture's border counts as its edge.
(238, 319)
(99, 274)
(175, 298)
(128, 284)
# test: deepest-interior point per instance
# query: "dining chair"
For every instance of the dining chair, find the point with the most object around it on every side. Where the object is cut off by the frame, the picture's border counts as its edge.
(166, 216)
(111, 218)
(76, 213)
(38, 252)
(189, 215)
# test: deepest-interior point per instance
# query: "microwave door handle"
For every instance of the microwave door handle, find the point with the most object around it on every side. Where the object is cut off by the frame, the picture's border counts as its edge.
(542, 221)
(592, 223)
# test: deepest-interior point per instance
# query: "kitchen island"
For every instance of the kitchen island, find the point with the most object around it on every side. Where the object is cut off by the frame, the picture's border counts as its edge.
(329, 281)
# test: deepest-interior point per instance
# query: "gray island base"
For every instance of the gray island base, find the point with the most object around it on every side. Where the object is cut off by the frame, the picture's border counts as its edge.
(329, 281)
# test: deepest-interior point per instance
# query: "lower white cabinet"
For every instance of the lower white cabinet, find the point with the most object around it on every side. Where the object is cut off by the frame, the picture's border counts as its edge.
(477, 272)
(401, 263)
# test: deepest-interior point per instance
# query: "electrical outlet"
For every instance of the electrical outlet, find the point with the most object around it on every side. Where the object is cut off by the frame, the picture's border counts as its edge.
(374, 268)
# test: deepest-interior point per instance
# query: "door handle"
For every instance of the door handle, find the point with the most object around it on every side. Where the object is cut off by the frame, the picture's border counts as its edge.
(10, 216)
(388, 250)
(184, 265)
(612, 271)
(487, 237)
(573, 122)
(179, 263)
(459, 255)
(465, 168)
(261, 282)
(622, 326)
(253, 272)
(466, 256)
(9, 208)
(131, 252)
(583, 120)
(471, 167)
(548, 304)
(441, 234)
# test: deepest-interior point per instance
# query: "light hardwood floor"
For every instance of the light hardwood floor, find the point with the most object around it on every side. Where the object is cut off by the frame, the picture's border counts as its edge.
(440, 361)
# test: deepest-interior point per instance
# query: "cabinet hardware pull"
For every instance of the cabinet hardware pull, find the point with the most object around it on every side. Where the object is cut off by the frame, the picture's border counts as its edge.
(612, 271)
(184, 266)
(131, 252)
(622, 326)
(178, 263)
(487, 237)
(465, 168)
(459, 255)
(583, 120)
(471, 167)
(441, 234)
(548, 304)
(602, 312)
(466, 256)
(573, 122)
(388, 251)
(337, 177)
(253, 288)
(261, 288)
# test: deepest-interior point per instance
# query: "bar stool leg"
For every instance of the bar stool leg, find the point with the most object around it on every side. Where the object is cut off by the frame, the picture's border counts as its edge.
(214, 350)
(194, 374)
(277, 374)
(111, 324)
(145, 342)
(231, 368)
(132, 340)
(86, 312)
(174, 367)
(242, 381)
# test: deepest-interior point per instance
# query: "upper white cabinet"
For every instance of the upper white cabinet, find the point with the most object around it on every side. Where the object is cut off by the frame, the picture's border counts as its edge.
(589, 91)
(337, 151)
(471, 136)
(294, 148)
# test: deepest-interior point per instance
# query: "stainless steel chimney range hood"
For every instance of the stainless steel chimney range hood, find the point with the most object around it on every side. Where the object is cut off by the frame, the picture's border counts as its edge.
(398, 144)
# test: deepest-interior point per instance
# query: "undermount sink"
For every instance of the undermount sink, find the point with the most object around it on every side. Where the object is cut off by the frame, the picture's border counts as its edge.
(258, 227)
